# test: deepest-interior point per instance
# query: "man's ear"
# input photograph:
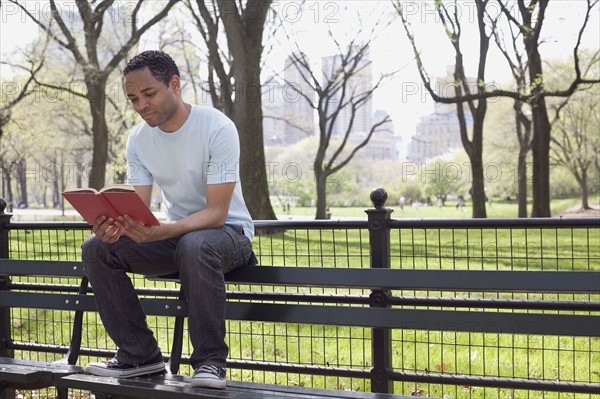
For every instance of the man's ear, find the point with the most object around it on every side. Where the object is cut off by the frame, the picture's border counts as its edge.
(175, 83)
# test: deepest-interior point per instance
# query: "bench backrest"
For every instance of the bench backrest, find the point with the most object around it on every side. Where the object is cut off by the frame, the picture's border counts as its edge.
(252, 305)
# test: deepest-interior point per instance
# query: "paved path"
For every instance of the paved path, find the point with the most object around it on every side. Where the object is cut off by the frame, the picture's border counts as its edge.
(577, 212)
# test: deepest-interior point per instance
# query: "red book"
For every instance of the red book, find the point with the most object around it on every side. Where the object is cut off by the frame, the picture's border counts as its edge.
(111, 201)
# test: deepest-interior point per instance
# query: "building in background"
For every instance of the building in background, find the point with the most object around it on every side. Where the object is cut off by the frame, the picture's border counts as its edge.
(383, 143)
(298, 113)
(438, 133)
(289, 117)
(360, 82)
(273, 110)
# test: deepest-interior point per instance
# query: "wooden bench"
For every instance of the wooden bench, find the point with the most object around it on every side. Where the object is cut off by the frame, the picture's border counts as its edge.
(380, 311)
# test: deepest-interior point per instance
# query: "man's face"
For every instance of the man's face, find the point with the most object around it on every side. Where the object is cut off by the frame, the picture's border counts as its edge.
(151, 98)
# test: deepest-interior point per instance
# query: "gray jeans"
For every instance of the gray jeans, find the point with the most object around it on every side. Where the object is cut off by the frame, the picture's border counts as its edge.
(200, 257)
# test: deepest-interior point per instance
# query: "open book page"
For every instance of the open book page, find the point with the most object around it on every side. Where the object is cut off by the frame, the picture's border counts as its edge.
(117, 188)
(111, 187)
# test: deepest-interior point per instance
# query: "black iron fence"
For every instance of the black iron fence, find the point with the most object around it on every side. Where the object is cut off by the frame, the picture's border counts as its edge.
(484, 362)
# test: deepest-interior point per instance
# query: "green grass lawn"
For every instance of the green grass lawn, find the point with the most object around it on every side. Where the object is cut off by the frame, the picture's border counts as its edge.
(498, 209)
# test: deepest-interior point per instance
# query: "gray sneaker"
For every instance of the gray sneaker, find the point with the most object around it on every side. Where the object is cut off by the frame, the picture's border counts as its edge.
(209, 377)
(114, 368)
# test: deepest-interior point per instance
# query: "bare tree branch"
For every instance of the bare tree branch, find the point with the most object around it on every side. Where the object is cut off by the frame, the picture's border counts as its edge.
(24, 91)
(137, 33)
(341, 96)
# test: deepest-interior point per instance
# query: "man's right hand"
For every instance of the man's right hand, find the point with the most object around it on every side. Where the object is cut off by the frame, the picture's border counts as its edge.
(106, 230)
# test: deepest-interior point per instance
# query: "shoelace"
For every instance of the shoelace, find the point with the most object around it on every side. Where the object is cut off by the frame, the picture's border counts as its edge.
(113, 362)
(208, 369)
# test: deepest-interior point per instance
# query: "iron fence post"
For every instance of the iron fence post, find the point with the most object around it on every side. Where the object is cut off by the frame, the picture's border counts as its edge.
(379, 246)
(5, 334)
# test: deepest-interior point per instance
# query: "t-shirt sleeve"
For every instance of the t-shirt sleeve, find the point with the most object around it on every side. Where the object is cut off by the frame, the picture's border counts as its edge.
(224, 165)
(137, 174)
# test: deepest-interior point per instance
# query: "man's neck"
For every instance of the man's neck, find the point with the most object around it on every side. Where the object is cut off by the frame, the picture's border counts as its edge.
(178, 119)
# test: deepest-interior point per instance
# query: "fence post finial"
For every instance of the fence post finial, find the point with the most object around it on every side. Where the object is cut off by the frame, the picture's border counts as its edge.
(378, 197)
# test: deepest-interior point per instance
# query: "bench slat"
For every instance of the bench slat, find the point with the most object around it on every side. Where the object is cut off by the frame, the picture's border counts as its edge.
(437, 280)
(59, 268)
(36, 300)
(177, 387)
(325, 393)
(385, 279)
(19, 375)
(417, 319)
(17, 371)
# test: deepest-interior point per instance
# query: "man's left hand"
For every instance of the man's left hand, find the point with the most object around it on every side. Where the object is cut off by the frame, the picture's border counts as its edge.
(138, 232)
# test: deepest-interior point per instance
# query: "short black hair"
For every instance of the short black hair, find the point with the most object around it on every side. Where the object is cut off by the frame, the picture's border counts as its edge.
(161, 65)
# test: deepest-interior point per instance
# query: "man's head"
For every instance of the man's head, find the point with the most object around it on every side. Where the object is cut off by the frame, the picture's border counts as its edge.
(161, 65)
(153, 86)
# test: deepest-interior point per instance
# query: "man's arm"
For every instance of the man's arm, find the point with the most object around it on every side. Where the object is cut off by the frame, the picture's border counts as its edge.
(218, 198)
(145, 193)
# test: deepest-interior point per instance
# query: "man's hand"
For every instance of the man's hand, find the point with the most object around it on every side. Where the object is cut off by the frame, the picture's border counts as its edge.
(138, 232)
(106, 230)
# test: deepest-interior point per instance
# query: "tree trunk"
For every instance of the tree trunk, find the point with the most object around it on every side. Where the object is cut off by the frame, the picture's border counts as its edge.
(56, 197)
(522, 181)
(523, 129)
(540, 144)
(247, 115)
(7, 188)
(244, 38)
(59, 185)
(540, 149)
(583, 185)
(22, 182)
(321, 180)
(252, 161)
(474, 149)
(45, 196)
(79, 172)
(478, 186)
(97, 99)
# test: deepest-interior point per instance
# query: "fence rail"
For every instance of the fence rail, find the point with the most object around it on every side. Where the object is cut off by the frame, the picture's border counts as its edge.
(478, 361)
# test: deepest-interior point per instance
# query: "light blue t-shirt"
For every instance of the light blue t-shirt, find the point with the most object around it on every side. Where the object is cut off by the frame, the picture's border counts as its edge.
(205, 150)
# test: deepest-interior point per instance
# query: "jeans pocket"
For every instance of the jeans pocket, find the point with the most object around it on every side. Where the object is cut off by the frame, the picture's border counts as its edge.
(241, 253)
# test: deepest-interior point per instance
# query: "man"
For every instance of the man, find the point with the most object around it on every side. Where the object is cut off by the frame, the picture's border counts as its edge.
(192, 153)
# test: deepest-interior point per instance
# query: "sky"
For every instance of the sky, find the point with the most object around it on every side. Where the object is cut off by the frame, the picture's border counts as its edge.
(404, 97)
